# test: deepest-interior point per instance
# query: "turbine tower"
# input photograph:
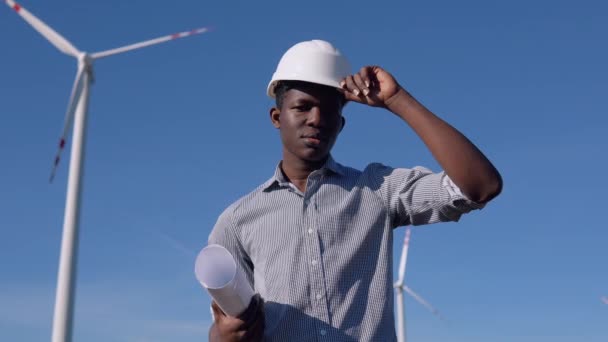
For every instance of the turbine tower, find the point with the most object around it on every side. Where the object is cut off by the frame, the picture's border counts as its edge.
(76, 114)
(400, 287)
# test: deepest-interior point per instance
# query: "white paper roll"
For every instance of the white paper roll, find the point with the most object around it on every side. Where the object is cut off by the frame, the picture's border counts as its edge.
(219, 274)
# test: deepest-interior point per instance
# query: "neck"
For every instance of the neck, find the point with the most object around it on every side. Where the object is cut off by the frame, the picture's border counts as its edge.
(297, 170)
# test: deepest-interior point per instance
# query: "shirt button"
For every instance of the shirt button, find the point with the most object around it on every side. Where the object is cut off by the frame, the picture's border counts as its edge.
(319, 296)
(323, 332)
(314, 262)
(310, 230)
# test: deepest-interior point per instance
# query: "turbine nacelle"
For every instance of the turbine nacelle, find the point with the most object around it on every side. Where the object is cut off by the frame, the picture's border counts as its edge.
(85, 61)
(84, 58)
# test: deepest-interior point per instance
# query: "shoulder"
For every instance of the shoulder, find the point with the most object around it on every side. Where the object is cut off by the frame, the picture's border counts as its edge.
(379, 170)
(377, 167)
(373, 172)
(376, 171)
(246, 200)
(227, 221)
(379, 176)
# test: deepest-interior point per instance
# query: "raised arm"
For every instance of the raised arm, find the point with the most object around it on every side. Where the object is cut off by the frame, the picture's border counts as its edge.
(463, 162)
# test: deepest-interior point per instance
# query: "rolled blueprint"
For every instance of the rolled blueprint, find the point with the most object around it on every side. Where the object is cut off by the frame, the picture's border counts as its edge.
(225, 282)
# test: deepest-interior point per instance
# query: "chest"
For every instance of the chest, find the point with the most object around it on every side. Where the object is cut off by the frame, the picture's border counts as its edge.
(285, 223)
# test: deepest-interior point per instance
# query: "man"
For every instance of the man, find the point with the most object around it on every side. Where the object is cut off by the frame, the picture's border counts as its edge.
(316, 239)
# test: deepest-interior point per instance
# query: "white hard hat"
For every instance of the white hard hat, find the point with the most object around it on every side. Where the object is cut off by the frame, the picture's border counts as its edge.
(315, 61)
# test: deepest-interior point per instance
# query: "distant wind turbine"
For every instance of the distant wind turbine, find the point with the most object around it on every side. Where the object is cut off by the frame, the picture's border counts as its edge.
(400, 287)
(76, 114)
(604, 300)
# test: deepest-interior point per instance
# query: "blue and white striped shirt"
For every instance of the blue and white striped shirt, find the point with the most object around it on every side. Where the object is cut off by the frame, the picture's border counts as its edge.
(322, 259)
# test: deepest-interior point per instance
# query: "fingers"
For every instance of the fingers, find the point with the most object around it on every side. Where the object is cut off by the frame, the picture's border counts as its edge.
(366, 76)
(358, 86)
(225, 322)
(248, 326)
(217, 312)
(256, 321)
(361, 84)
(255, 331)
(252, 309)
(372, 86)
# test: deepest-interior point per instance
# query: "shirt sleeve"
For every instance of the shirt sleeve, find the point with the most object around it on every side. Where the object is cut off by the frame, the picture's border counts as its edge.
(224, 234)
(418, 196)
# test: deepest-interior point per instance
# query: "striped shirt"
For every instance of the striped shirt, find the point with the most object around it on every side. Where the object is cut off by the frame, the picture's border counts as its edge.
(322, 259)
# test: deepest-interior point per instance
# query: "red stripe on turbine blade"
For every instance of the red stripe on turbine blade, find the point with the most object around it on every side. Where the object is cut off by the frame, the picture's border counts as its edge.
(175, 35)
(17, 7)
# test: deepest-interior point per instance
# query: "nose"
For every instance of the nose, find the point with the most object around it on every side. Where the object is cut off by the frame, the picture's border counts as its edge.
(315, 117)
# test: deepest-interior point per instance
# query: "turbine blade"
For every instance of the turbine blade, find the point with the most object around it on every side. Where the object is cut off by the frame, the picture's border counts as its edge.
(421, 300)
(403, 261)
(605, 300)
(146, 43)
(55, 38)
(176, 244)
(69, 117)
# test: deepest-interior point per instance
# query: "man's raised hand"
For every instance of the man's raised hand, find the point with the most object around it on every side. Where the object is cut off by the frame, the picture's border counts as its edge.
(372, 86)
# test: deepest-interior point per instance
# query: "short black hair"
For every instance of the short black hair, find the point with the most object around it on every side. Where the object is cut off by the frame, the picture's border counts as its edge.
(283, 86)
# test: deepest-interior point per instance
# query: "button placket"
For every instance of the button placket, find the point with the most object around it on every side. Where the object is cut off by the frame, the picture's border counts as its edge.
(313, 245)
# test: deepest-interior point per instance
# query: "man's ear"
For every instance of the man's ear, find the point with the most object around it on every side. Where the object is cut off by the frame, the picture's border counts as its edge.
(343, 123)
(275, 117)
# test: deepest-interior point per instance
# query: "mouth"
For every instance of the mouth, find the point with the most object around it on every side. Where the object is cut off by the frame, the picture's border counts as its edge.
(313, 139)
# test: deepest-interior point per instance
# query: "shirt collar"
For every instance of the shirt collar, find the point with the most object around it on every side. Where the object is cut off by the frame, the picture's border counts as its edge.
(279, 179)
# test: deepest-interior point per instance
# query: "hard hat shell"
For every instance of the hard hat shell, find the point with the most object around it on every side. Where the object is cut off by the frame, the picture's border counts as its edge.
(315, 61)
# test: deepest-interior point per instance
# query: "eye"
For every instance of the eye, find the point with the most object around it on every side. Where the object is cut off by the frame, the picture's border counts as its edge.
(302, 108)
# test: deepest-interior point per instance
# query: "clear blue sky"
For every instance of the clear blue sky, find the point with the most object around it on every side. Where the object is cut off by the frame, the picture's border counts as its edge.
(179, 131)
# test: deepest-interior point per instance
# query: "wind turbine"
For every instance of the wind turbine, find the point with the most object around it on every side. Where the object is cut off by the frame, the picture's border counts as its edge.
(76, 113)
(400, 287)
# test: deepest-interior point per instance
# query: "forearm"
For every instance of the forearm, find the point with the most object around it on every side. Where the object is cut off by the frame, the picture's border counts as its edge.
(464, 163)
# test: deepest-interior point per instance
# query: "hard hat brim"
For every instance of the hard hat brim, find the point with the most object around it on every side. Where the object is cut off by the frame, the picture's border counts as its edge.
(272, 84)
